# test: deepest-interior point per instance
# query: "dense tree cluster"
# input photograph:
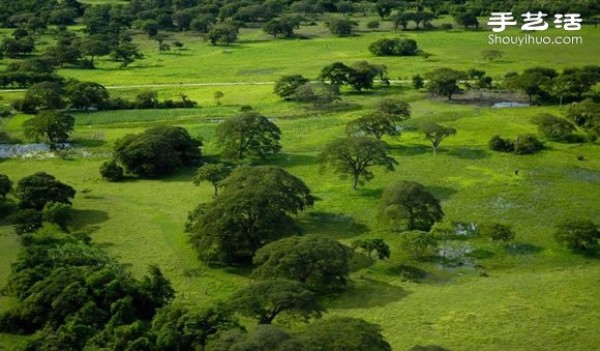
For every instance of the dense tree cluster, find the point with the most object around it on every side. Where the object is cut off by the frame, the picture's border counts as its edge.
(394, 47)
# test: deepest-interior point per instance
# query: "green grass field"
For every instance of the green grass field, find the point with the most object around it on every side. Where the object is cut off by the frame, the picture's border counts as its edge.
(541, 297)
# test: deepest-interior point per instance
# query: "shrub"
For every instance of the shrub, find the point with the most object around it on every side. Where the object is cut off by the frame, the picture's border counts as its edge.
(57, 213)
(496, 143)
(373, 25)
(497, 232)
(111, 171)
(394, 47)
(527, 144)
(554, 128)
(26, 221)
(579, 235)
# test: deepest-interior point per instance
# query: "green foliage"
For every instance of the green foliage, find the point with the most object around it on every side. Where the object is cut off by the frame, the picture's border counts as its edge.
(497, 232)
(43, 96)
(553, 128)
(384, 120)
(111, 171)
(436, 133)
(26, 221)
(57, 213)
(586, 114)
(126, 53)
(213, 173)
(444, 81)
(158, 151)
(319, 94)
(418, 82)
(284, 25)
(266, 300)
(222, 33)
(341, 26)
(579, 235)
(370, 245)
(248, 135)
(55, 126)
(417, 242)
(535, 82)
(253, 210)
(354, 156)
(5, 185)
(286, 86)
(318, 262)
(345, 333)
(394, 47)
(527, 144)
(86, 95)
(497, 143)
(411, 202)
(38, 189)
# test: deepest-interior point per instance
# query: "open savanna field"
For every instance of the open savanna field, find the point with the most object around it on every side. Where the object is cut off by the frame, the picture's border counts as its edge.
(532, 295)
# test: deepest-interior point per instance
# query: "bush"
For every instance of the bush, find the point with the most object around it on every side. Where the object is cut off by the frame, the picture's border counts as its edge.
(394, 47)
(373, 25)
(496, 143)
(111, 171)
(578, 235)
(554, 128)
(497, 232)
(527, 144)
(27, 221)
(57, 213)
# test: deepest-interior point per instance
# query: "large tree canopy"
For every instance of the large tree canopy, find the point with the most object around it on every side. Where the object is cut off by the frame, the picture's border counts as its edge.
(249, 134)
(54, 126)
(410, 203)
(354, 156)
(36, 190)
(320, 263)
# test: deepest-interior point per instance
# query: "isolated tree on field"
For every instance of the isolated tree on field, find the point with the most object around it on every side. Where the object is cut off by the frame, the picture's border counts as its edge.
(222, 33)
(186, 147)
(284, 25)
(345, 333)
(336, 73)
(94, 46)
(417, 242)
(579, 235)
(362, 75)
(218, 96)
(111, 171)
(85, 95)
(286, 86)
(444, 81)
(341, 26)
(497, 232)
(147, 155)
(384, 120)
(491, 54)
(55, 126)
(319, 94)
(354, 156)
(320, 263)
(418, 82)
(248, 134)
(126, 53)
(5, 186)
(373, 245)
(213, 173)
(38, 189)
(436, 133)
(268, 299)
(410, 202)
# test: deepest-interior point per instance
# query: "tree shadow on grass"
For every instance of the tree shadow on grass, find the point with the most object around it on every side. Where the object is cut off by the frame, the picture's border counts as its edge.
(370, 192)
(332, 224)
(468, 153)
(82, 218)
(408, 273)
(411, 150)
(368, 293)
(287, 160)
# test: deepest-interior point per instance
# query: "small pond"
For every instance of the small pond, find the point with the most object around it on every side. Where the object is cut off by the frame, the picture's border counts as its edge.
(506, 104)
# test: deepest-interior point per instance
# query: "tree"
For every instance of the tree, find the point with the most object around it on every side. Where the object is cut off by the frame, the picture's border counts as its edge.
(363, 73)
(394, 47)
(491, 54)
(579, 235)
(55, 126)
(370, 245)
(94, 46)
(36, 190)
(384, 7)
(266, 300)
(319, 94)
(86, 95)
(111, 171)
(410, 202)
(213, 173)
(203, 22)
(383, 121)
(436, 133)
(535, 82)
(284, 25)
(336, 73)
(218, 96)
(586, 114)
(553, 128)
(341, 26)
(26, 221)
(444, 81)
(417, 242)
(187, 148)
(345, 333)
(5, 186)
(418, 82)
(146, 155)
(147, 99)
(222, 33)
(467, 19)
(497, 232)
(320, 263)
(286, 86)
(354, 156)
(43, 96)
(248, 134)
(57, 213)
(126, 53)
(497, 143)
